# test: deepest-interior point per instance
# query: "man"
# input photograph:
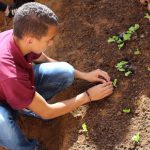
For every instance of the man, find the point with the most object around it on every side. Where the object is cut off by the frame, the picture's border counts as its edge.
(23, 86)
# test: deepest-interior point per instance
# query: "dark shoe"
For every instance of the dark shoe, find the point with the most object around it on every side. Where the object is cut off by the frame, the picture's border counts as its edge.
(11, 10)
(40, 147)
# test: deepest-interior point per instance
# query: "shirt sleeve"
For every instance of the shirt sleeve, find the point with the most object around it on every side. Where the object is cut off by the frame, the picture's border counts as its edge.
(18, 93)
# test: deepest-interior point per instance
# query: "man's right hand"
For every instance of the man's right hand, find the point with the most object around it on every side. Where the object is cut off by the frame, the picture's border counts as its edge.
(100, 91)
(49, 111)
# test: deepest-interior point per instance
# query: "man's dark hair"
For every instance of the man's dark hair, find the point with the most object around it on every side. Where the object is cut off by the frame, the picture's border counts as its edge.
(33, 19)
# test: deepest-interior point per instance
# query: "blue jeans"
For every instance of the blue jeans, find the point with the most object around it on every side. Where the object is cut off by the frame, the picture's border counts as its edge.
(50, 78)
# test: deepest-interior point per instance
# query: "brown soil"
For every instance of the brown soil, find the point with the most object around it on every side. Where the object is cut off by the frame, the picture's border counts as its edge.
(82, 41)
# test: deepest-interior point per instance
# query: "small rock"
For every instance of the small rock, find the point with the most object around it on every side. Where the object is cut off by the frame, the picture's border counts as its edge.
(118, 113)
(142, 36)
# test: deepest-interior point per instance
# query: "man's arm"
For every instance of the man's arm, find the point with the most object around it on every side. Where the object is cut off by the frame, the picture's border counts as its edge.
(97, 75)
(44, 58)
(49, 111)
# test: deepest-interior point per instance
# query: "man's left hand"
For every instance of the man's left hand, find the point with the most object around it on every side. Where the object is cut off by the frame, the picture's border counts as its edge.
(97, 75)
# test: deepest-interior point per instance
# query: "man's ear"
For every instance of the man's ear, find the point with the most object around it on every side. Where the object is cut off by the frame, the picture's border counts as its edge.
(28, 40)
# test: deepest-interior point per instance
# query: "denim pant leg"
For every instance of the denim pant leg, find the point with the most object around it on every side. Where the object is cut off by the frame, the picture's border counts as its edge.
(11, 136)
(51, 78)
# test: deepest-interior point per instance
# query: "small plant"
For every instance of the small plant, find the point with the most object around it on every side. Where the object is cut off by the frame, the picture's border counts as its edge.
(136, 138)
(84, 128)
(128, 73)
(123, 37)
(126, 110)
(148, 68)
(137, 51)
(147, 16)
(123, 66)
(114, 82)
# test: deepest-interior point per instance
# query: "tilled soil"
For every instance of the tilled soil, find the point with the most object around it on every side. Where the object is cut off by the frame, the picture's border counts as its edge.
(84, 29)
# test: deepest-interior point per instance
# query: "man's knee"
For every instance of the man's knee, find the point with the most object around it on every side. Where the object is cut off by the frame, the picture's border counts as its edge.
(68, 73)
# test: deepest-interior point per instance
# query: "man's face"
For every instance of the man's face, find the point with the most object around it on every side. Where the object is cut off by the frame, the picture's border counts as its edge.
(41, 45)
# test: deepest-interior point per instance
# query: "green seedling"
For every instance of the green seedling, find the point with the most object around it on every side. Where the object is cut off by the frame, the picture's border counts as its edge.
(120, 45)
(128, 34)
(126, 110)
(147, 16)
(114, 82)
(120, 66)
(117, 40)
(84, 127)
(122, 38)
(136, 138)
(113, 39)
(124, 67)
(128, 73)
(148, 68)
(137, 52)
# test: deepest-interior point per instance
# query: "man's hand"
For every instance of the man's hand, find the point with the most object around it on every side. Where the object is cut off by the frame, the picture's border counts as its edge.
(97, 75)
(100, 91)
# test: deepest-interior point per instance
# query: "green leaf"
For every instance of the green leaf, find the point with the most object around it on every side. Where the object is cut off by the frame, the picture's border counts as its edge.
(121, 69)
(147, 16)
(115, 37)
(110, 40)
(120, 45)
(148, 68)
(128, 73)
(136, 26)
(122, 63)
(136, 137)
(126, 36)
(137, 52)
(131, 30)
(84, 127)
(126, 110)
(119, 41)
(114, 82)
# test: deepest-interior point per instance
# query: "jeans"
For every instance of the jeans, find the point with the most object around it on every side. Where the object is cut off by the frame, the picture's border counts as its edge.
(50, 78)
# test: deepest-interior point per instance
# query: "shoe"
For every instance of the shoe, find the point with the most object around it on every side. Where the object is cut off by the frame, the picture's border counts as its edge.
(40, 147)
(10, 10)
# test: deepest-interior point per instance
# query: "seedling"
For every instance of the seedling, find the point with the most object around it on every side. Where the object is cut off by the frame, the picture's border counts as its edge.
(126, 110)
(120, 39)
(136, 138)
(148, 68)
(114, 82)
(127, 73)
(137, 51)
(124, 66)
(147, 16)
(84, 128)
(117, 39)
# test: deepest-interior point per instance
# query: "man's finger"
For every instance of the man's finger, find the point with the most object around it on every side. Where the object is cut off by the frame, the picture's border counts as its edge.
(101, 80)
(104, 75)
(107, 93)
(108, 88)
(107, 83)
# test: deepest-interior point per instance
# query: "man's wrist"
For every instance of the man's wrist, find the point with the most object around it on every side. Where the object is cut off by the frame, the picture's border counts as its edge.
(87, 93)
(83, 97)
(79, 74)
